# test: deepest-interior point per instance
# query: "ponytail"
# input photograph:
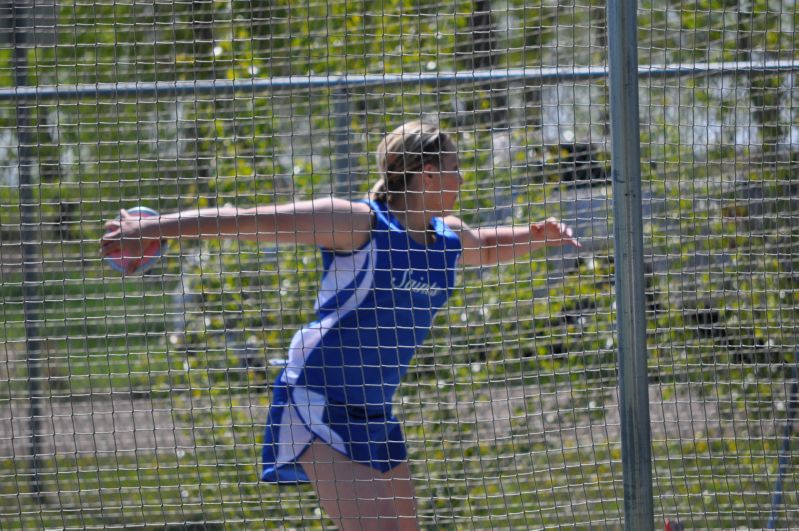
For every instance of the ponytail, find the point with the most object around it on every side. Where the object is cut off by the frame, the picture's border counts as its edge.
(378, 192)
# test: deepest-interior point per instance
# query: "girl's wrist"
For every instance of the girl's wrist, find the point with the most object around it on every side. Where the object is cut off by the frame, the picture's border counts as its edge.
(150, 229)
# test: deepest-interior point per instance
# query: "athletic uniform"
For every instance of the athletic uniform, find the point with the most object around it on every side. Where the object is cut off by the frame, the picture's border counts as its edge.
(374, 308)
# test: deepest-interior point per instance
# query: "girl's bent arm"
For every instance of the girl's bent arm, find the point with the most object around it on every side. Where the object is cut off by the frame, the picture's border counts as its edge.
(498, 245)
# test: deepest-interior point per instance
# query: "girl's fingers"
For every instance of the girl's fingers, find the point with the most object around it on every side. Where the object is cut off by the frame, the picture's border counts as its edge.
(554, 232)
(111, 241)
(112, 234)
(560, 232)
(107, 244)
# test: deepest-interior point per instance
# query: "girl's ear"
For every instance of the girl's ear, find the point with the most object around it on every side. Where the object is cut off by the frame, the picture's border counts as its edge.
(428, 174)
(429, 167)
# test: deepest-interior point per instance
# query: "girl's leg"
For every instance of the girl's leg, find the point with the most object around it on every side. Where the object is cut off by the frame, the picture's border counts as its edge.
(356, 496)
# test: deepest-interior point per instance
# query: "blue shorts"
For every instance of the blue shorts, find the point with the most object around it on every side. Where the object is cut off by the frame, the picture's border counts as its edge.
(298, 416)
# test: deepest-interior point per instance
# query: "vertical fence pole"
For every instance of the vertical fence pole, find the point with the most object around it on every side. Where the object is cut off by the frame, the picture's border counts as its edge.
(31, 255)
(628, 233)
(342, 180)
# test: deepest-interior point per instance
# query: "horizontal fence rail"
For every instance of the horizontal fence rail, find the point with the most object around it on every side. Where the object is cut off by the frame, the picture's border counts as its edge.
(225, 87)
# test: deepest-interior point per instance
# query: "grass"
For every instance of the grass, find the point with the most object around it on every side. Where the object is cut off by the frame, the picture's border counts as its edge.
(510, 414)
(536, 467)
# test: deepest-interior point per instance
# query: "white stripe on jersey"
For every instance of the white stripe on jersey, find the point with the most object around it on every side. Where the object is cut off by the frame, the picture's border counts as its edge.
(309, 337)
(340, 274)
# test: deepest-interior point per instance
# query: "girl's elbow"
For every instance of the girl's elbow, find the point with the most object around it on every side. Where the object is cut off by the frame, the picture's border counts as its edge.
(492, 257)
(484, 257)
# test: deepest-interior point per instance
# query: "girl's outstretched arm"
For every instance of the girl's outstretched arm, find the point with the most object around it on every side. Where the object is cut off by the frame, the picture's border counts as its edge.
(497, 245)
(332, 223)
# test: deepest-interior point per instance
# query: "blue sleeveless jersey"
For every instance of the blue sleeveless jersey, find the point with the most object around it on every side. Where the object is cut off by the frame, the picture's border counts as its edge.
(374, 308)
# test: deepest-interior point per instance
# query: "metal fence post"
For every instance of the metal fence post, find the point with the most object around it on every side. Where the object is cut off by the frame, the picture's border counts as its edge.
(342, 180)
(31, 248)
(630, 287)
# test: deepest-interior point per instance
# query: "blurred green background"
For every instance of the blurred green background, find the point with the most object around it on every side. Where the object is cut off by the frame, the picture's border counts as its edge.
(153, 389)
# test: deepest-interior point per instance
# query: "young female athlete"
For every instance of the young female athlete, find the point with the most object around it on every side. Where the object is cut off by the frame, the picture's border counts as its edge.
(390, 264)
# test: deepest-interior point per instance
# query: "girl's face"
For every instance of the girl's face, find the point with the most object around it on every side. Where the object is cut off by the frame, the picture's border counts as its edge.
(442, 185)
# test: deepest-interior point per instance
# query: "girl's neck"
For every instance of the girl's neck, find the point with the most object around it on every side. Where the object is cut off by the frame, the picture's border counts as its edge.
(415, 220)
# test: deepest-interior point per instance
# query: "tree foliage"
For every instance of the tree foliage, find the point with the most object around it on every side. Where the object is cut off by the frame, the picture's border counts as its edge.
(721, 287)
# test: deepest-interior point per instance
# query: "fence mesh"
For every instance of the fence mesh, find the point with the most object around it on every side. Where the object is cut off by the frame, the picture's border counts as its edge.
(141, 400)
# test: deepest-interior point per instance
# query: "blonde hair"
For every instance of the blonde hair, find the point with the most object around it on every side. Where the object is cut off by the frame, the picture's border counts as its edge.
(403, 152)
